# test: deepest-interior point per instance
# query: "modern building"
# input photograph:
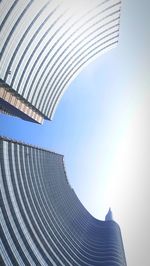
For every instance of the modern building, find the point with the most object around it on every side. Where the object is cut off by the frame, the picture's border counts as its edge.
(45, 44)
(42, 220)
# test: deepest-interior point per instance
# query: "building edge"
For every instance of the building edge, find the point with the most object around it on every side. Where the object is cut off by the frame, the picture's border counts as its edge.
(12, 103)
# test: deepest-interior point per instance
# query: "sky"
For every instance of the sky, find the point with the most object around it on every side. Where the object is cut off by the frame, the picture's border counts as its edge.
(102, 128)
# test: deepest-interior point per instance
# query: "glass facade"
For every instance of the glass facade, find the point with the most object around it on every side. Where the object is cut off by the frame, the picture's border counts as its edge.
(45, 44)
(43, 222)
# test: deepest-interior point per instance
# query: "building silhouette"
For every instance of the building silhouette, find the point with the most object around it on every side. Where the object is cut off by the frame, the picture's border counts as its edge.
(42, 220)
(45, 44)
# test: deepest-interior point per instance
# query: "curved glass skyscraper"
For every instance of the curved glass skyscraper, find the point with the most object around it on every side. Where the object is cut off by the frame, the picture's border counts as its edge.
(45, 44)
(42, 220)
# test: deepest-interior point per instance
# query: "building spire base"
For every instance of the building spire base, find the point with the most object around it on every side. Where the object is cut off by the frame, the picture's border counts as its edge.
(109, 215)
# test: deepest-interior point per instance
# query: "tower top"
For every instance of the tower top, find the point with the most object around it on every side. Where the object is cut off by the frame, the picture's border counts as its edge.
(109, 215)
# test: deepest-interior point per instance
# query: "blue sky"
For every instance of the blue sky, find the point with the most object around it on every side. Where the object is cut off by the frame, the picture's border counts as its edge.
(87, 126)
(101, 126)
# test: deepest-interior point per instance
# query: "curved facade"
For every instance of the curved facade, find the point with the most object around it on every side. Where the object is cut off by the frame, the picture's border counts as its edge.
(45, 44)
(43, 222)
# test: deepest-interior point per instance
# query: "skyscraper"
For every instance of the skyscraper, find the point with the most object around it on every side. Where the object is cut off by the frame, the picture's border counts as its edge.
(45, 44)
(42, 220)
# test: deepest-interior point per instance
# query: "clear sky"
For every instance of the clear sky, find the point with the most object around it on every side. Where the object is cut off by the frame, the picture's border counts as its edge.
(102, 128)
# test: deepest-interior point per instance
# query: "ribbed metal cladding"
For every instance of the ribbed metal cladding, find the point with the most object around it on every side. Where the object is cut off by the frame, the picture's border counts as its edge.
(45, 44)
(42, 220)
